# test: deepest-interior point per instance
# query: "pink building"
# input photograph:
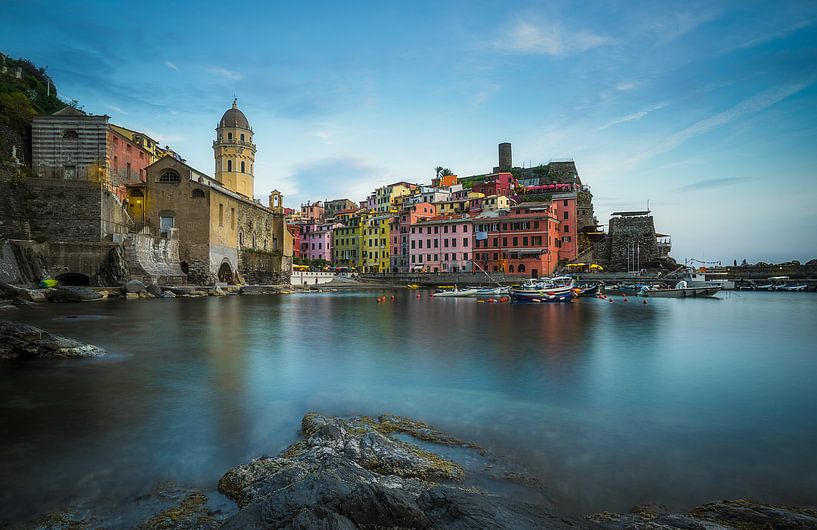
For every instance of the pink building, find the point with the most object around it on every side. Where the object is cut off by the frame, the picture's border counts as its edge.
(400, 230)
(316, 241)
(441, 244)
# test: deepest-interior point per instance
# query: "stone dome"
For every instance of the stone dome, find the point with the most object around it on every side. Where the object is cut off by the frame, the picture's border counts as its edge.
(234, 118)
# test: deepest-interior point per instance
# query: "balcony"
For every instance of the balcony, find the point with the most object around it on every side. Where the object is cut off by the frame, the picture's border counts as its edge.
(234, 143)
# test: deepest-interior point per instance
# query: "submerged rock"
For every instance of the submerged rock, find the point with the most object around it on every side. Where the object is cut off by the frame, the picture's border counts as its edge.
(154, 289)
(349, 473)
(22, 342)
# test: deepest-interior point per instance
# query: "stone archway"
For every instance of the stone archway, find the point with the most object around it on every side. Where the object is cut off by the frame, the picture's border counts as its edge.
(73, 278)
(225, 272)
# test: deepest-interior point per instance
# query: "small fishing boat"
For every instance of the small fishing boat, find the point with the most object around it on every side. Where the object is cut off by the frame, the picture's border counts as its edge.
(589, 291)
(493, 291)
(413, 286)
(681, 290)
(454, 293)
(559, 289)
(800, 287)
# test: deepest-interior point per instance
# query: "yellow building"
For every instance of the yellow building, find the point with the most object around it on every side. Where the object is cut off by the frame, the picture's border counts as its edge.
(347, 249)
(235, 152)
(224, 235)
(376, 247)
(388, 198)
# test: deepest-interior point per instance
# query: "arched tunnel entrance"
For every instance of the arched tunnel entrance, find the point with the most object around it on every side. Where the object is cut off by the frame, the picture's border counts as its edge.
(225, 273)
(73, 278)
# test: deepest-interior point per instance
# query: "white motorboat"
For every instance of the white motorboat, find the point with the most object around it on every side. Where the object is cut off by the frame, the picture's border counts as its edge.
(681, 290)
(455, 293)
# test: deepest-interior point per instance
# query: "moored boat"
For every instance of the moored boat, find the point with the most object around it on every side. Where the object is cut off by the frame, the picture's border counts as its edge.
(493, 291)
(679, 292)
(455, 293)
(413, 286)
(559, 289)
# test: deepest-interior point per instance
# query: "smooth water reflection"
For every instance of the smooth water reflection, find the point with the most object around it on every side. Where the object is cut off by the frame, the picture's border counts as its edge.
(611, 404)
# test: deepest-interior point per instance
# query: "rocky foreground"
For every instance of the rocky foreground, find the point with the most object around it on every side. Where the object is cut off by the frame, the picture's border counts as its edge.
(23, 342)
(363, 472)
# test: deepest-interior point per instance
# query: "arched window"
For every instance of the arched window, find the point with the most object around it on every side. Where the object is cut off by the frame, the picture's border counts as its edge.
(242, 137)
(242, 167)
(229, 165)
(169, 176)
(198, 194)
(229, 136)
(521, 267)
(510, 268)
(136, 193)
(71, 134)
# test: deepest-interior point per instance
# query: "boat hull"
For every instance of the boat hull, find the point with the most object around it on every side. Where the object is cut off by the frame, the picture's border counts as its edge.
(456, 294)
(689, 292)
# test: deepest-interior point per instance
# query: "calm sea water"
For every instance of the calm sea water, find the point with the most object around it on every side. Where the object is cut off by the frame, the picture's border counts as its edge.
(610, 404)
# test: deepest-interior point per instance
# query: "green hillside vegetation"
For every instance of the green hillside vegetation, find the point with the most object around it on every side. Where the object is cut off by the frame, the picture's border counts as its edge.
(20, 101)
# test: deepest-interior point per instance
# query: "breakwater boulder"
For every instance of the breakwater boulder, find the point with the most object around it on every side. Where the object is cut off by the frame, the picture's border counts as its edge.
(70, 293)
(361, 472)
(20, 341)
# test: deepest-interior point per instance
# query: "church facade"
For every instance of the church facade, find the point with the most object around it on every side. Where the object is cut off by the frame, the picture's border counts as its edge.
(224, 234)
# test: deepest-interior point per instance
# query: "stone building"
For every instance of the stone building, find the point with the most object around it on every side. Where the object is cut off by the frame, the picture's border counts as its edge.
(632, 244)
(224, 233)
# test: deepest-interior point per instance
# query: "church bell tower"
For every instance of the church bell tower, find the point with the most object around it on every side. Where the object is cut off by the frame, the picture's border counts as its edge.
(234, 152)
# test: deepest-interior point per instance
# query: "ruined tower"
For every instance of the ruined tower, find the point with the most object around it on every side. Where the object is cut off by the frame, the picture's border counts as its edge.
(234, 152)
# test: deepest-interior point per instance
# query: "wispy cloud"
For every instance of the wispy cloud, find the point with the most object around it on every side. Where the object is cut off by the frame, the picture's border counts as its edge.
(709, 184)
(749, 106)
(634, 116)
(223, 72)
(548, 38)
(336, 177)
(170, 65)
(672, 24)
(751, 43)
(117, 109)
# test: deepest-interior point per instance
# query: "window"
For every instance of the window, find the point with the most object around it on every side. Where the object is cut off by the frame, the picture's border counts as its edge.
(521, 267)
(565, 202)
(464, 228)
(566, 215)
(496, 242)
(445, 229)
(242, 167)
(229, 165)
(504, 226)
(168, 176)
(242, 137)
(510, 268)
(504, 241)
(220, 215)
(515, 241)
(536, 224)
(524, 241)
(436, 229)
(436, 243)
(128, 170)
(496, 255)
(454, 229)
(465, 241)
(445, 242)
(229, 136)
(567, 228)
(232, 219)
(166, 222)
(198, 194)
(240, 237)
(71, 134)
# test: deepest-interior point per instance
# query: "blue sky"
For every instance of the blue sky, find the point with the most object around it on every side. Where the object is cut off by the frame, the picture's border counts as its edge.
(706, 109)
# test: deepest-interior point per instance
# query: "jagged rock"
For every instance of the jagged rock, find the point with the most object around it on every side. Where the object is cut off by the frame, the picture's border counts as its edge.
(134, 286)
(36, 295)
(217, 291)
(168, 294)
(154, 289)
(350, 473)
(718, 515)
(70, 293)
(189, 514)
(22, 342)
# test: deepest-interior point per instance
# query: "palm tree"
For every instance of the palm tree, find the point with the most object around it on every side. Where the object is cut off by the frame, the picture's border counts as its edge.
(437, 170)
(445, 172)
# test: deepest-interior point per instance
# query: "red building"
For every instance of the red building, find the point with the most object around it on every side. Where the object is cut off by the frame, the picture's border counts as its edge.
(524, 241)
(565, 204)
(128, 162)
(295, 230)
(495, 184)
